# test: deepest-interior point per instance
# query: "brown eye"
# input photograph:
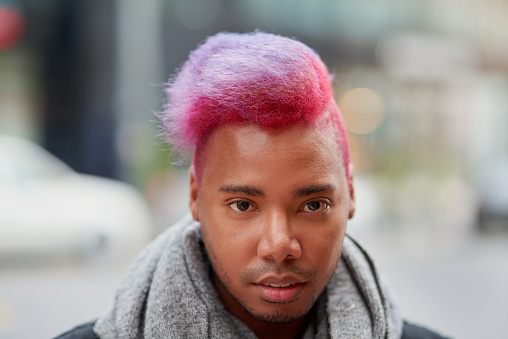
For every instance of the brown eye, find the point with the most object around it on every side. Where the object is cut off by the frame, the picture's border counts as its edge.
(315, 206)
(241, 206)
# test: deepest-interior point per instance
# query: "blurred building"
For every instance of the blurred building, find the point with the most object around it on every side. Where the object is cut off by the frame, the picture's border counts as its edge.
(85, 79)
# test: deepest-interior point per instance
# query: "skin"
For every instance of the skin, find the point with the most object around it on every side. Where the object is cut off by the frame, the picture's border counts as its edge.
(273, 207)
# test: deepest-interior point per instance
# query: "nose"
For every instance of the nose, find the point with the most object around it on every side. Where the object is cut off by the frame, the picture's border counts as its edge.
(278, 242)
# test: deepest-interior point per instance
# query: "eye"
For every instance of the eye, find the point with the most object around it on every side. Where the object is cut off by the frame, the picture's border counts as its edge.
(316, 206)
(242, 206)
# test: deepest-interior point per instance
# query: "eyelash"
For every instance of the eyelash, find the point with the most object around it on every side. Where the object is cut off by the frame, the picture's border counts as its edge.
(234, 206)
(324, 202)
(234, 203)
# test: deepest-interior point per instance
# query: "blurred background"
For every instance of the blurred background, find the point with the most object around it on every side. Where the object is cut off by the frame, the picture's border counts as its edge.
(85, 182)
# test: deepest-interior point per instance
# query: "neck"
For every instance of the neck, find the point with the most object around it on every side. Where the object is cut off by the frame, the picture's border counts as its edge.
(262, 329)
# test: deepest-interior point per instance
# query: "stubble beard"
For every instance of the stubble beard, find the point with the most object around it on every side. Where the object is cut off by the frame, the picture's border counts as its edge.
(276, 316)
(279, 317)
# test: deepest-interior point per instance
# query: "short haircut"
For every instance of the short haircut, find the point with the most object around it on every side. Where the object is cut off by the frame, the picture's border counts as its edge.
(259, 78)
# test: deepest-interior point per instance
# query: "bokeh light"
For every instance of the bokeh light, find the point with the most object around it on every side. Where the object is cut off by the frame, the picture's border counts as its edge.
(12, 27)
(363, 110)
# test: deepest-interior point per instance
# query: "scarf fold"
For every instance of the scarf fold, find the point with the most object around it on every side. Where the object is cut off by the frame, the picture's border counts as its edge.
(167, 293)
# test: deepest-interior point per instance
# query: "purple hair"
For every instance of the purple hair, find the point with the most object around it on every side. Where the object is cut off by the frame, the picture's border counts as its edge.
(259, 78)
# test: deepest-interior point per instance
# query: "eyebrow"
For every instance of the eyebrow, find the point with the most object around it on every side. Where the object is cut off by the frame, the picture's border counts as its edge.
(306, 191)
(249, 190)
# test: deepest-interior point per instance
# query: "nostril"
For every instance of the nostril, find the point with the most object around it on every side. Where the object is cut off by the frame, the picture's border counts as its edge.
(279, 248)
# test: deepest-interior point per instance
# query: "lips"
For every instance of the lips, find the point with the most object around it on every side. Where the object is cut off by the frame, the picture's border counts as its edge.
(278, 286)
(277, 290)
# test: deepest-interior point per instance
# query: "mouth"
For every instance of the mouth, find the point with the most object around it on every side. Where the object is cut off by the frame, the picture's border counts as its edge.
(275, 290)
(278, 286)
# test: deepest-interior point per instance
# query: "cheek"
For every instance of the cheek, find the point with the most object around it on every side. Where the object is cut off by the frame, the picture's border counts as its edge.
(228, 239)
(324, 247)
(229, 248)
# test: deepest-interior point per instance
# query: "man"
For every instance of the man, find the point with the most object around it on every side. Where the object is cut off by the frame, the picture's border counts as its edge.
(265, 253)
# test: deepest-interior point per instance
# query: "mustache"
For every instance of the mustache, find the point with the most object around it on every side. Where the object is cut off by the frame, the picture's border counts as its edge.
(249, 275)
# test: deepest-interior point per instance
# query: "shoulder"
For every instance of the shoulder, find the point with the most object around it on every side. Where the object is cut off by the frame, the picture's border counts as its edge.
(83, 331)
(411, 331)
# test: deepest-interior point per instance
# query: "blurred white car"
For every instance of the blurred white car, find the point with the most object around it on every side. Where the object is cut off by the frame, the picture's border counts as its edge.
(47, 208)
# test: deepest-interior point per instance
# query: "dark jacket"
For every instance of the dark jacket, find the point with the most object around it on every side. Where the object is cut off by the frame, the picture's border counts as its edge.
(409, 331)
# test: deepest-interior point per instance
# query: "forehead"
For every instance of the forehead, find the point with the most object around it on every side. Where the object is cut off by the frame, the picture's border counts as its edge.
(249, 152)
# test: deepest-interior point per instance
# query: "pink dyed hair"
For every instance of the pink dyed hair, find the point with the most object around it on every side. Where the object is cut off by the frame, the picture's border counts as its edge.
(259, 78)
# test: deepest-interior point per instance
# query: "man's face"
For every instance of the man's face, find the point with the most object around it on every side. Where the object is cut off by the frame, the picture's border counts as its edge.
(273, 207)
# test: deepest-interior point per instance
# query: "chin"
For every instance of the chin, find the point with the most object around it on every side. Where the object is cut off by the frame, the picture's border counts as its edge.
(278, 317)
(280, 312)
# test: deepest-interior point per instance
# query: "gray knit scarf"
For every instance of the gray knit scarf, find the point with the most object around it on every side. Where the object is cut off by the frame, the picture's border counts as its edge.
(167, 294)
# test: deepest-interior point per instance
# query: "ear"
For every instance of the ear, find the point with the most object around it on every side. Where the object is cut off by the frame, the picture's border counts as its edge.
(352, 204)
(194, 193)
